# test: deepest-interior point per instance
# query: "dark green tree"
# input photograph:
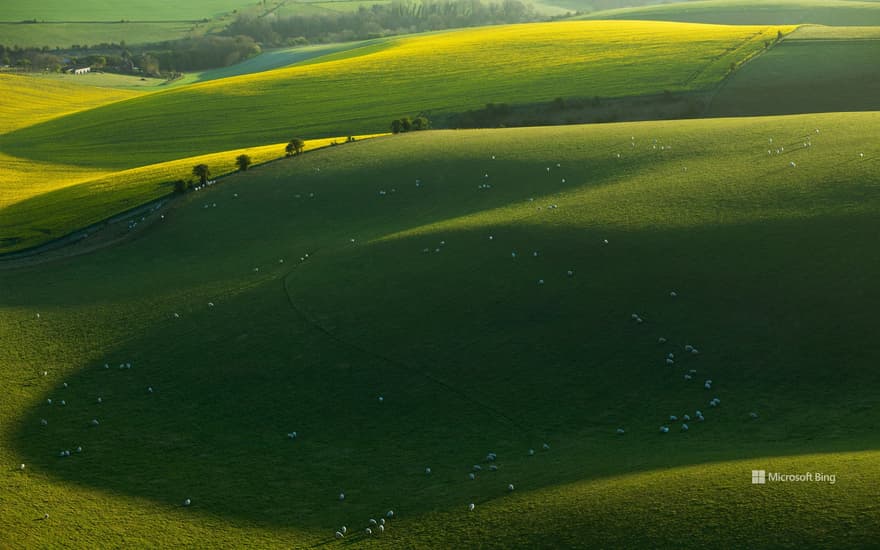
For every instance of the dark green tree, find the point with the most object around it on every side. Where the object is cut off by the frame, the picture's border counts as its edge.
(202, 172)
(295, 147)
(243, 162)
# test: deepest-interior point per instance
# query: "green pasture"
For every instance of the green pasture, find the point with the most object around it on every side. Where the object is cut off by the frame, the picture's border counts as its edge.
(753, 12)
(361, 90)
(384, 268)
(815, 69)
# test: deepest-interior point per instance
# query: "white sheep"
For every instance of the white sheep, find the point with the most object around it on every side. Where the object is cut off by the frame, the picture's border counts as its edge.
(546, 446)
(620, 431)
(670, 355)
(95, 422)
(389, 514)
(471, 505)
(291, 435)
(753, 414)
(49, 401)
(100, 400)
(688, 377)
(428, 471)
(21, 467)
(684, 427)
(664, 429)
(670, 361)
(686, 417)
(341, 496)
(368, 531)
(673, 294)
(471, 476)
(344, 529)
(661, 340)
(381, 528)
(477, 467)
(381, 399)
(540, 281)
(570, 273)
(373, 522)
(187, 502)
(510, 487)
(673, 418)
(44, 422)
(531, 452)
(338, 535)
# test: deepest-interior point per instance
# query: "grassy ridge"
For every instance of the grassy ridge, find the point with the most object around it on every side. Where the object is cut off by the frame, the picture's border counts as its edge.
(815, 69)
(440, 73)
(39, 207)
(752, 12)
(468, 351)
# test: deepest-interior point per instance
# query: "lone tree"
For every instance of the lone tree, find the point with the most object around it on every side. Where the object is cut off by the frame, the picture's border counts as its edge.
(295, 147)
(203, 172)
(243, 162)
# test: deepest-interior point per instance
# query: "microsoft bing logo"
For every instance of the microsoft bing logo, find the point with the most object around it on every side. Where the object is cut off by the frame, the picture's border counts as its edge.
(759, 477)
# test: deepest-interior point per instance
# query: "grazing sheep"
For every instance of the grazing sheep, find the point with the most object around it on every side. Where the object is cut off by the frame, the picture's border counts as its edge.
(389, 514)
(79, 449)
(540, 281)
(150, 389)
(344, 529)
(688, 348)
(381, 521)
(491, 457)
(100, 400)
(187, 502)
(341, 496)
(664, 429)
(64, 384)
(673, 418)
(684, 427)
(291, 435)
(49, 401)
(493, 468)
(753, 414)
(477, 467)
(368, 531)
(428, 471)
(620, 431)
(673, 294)
(605, 241)
(471, 505)
(686, 417)
(211, 304)
(670, 361)
(471, 476)
(670, 355)
(570, 273)
(95, 422)
(63, 402)
(639, 320)
(688, 377)
(21, 467)
(381, 528)
(661, 340)
(338, 535)
(373, 522)
(381, 399)
(546, 446)
(44, 422)
(531, 452)
(510, 487)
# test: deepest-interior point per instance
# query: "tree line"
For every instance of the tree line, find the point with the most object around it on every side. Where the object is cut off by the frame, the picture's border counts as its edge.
(166, 59)
(396, 17)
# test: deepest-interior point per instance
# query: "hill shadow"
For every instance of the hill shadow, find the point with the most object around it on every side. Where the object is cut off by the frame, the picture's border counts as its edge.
(780, 328)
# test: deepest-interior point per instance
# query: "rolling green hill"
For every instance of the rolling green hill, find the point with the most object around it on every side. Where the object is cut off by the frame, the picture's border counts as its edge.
(360, 91)
(754, 12)
(814, 69)
(398, 281)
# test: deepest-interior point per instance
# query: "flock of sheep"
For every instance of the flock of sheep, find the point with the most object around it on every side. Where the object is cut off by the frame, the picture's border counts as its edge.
(686, 352)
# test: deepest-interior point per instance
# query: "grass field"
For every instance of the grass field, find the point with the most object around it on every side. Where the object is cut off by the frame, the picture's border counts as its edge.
(815, 69)
(132, 10)
(51, 201)
(64, 35)
(362, 90)
(754, 12)
(468, 351)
